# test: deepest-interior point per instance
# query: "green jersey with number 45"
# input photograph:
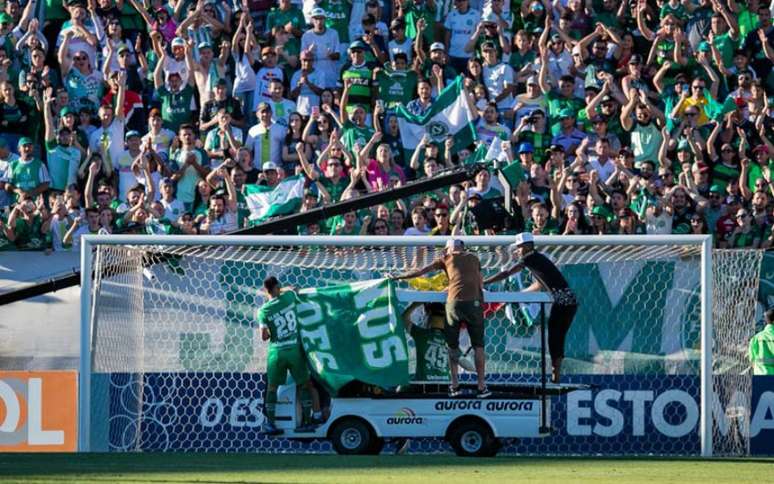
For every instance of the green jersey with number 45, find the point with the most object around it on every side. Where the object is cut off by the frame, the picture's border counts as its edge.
(279, 316)
(432, 362)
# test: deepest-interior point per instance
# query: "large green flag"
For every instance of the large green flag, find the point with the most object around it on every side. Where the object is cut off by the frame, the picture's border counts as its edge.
(352, 332)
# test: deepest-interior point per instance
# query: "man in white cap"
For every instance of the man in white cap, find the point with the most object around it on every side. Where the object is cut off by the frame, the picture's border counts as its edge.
(464, 303)
(547, 277)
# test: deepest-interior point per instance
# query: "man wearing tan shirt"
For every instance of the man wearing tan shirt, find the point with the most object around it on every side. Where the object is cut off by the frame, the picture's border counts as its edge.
(464, 303)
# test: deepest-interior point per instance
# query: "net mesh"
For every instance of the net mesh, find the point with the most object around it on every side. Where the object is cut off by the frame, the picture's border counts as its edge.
(736, 277)
(178, 366)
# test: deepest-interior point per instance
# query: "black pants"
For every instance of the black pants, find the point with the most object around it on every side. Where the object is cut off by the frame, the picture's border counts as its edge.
(558, 326)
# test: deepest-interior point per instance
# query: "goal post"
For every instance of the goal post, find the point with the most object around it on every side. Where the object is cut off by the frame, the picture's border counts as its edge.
(152, 307)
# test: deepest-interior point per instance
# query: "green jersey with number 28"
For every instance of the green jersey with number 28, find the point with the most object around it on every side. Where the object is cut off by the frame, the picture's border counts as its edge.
(279, 316)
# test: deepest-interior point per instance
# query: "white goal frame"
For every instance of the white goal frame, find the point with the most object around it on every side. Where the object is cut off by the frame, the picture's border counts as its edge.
(88, 243)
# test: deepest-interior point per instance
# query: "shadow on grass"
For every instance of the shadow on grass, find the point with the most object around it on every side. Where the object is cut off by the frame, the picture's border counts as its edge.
(21, 465)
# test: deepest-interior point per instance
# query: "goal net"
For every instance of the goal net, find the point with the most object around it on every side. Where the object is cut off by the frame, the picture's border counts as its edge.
(171, 359)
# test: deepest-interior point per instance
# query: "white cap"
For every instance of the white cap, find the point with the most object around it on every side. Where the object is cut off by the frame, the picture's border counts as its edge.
(523, 238)
(453, 244)
(437, 46)
(317, 12)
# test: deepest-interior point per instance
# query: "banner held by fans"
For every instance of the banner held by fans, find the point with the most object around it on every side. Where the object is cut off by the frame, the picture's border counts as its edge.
(352, 332)
(449, 115)
(265, 202)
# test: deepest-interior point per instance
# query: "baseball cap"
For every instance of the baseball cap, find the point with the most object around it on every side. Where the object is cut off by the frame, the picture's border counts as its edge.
(437, 46)
(204, 45)
(167, 181)
(566, 113)
(489, 17)
(635, 59)
(488, 45)
(526, 148)
(683, 145)
(123, 48)
(716, 189)
(532, 80)
(131, 133)
(318, 12)
(606, 98)
(454, 244)
(556, 37)
(64, 112)
(523, 238)
(221, 82)
(358, 45)
(24, 141)
(178, 42)
(269, 165)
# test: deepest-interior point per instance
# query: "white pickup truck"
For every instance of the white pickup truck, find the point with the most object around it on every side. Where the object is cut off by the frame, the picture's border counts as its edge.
(360, 422)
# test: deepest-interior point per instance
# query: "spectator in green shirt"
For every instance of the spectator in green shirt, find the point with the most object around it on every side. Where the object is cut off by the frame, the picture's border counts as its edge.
(761, 349)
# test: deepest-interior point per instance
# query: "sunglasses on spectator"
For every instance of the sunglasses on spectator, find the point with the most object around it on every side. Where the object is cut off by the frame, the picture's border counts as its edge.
(742, 215)
(442, 214)
(380, 227)
(79, 57)
(695, 220)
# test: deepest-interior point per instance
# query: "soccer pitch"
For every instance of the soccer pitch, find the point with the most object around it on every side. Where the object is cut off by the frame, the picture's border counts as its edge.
(241, 468)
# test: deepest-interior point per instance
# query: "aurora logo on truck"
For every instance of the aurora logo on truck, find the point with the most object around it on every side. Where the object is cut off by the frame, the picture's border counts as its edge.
(405, 416)
(490, 406)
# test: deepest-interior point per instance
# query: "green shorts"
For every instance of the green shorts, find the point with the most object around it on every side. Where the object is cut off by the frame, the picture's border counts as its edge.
(472, 314)
(283, 359)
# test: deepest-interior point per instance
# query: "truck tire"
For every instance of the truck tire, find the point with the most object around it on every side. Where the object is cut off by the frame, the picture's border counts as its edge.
(351, 436)
(377, 444)
(473, 438)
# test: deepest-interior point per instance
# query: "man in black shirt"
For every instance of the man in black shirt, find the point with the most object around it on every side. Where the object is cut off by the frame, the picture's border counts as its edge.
(547, 277)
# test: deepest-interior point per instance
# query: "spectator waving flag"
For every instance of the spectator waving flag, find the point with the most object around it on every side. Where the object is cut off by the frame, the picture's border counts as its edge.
(265, 202)
(449, 115)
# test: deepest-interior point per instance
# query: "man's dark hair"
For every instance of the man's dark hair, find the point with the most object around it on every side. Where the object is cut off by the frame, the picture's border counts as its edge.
(769, 316)
(92, 210)
(185, 126)
(270, 283)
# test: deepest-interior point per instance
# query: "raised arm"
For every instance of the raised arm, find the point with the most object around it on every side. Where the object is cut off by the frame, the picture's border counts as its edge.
(308, 170)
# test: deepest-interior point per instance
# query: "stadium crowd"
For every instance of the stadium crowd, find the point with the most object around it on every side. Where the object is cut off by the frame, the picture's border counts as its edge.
(631, 117)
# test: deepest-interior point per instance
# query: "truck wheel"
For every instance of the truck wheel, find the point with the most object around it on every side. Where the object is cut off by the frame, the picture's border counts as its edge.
(352, 436)
(473, 439)
(377, 444)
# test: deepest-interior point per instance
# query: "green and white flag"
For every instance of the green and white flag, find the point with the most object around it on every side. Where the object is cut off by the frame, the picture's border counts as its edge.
(449, 115)
(265, 202)
(353, 332)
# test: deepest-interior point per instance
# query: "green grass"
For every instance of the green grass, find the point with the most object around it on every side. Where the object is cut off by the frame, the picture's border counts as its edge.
(217, 468)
